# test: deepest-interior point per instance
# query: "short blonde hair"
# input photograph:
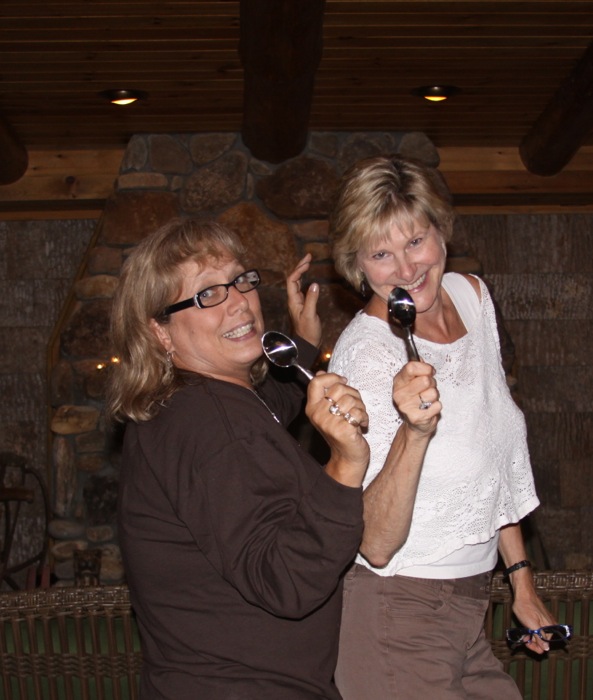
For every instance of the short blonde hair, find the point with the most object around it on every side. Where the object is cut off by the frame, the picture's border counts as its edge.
(377, 193)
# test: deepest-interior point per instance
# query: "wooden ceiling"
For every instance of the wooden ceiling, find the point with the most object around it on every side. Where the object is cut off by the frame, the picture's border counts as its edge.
(511, 60)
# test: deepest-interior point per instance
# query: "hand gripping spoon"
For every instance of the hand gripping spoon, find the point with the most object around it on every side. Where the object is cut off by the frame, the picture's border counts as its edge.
(401, 308)
(282, 352)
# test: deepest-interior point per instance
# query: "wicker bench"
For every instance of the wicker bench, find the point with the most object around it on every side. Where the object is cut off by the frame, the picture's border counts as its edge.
(82, 643)
(69, 643)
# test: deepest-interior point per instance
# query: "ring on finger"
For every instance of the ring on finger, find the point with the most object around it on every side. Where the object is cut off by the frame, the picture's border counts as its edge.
(350, 419)
(424, 404)
(334, 409)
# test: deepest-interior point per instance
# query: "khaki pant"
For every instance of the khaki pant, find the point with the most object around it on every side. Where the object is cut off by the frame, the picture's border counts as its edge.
(408, 638)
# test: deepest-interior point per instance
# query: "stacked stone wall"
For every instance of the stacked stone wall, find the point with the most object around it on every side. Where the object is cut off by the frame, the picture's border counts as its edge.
(280, 212)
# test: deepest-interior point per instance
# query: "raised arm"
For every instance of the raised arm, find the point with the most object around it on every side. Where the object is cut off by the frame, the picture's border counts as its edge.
(336, 410)
(302, 306)
(389, 499)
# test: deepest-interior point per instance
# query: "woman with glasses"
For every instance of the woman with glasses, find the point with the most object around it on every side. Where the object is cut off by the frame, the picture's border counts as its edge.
(234, 538)
(449, 477)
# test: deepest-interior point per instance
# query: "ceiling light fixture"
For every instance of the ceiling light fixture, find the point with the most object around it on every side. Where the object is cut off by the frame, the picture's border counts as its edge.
(123, 96)
(436, 93)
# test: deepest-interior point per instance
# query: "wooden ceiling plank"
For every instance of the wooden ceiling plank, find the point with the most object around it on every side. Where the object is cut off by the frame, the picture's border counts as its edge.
(456, 34)
(31, 10)
(41, 26)
(460, 21)
(342, 6)
(377, 57)
(135, 61)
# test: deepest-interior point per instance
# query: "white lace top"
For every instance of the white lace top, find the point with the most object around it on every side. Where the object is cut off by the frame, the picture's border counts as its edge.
(476, 475)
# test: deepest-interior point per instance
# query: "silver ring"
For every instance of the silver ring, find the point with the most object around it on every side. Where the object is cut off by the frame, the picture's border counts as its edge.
(349, 419)
(334, 409)
(424, 404)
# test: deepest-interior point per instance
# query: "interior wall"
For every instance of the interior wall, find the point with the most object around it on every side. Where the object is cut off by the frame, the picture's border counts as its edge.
(38, 261)
(538, 266)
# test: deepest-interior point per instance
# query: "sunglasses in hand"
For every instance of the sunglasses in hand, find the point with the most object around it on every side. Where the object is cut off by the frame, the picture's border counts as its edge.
(550, 633)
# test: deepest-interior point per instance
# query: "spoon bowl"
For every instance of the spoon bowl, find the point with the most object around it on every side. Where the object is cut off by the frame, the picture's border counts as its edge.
(402, 309)
(282, 351)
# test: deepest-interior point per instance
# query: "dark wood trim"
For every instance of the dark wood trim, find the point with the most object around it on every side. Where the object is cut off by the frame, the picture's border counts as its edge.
(564, 124)
(544, 200)
(14, 159)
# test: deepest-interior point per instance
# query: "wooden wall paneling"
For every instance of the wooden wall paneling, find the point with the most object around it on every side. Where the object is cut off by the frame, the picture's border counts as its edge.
(535, 296)
(545, 342)
(63, 180)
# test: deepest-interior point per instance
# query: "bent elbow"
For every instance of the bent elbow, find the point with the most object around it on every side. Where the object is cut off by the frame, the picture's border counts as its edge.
(377, 560)
(379, 557)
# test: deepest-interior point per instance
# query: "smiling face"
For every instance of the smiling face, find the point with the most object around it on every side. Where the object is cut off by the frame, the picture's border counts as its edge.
(412, 258)
(221, 341)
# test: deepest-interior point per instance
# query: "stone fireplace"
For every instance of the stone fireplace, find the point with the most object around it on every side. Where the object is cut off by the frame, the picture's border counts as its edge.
(280, 212)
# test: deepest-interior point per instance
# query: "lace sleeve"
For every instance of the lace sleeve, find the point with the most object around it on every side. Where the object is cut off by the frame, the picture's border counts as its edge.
(369, 355)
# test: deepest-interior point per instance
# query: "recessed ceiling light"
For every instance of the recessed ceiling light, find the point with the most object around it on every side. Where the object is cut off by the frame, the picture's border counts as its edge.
(123, 96)
(436, 93)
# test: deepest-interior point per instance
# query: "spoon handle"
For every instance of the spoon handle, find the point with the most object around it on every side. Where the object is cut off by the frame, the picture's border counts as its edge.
(306, 372)
(412, 351)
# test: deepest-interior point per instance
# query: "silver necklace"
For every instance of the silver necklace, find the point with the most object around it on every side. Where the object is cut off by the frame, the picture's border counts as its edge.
(266, 405)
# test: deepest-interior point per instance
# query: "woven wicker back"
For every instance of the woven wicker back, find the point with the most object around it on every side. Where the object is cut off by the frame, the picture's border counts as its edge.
(82, 643)
(565, 673)
(68, 643)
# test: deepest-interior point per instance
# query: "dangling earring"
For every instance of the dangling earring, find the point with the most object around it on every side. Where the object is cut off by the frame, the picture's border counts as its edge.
(169, 370)
(364, 287)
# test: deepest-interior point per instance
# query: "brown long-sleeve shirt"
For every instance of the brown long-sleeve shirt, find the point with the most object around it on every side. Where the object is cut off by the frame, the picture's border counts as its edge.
(234, 541)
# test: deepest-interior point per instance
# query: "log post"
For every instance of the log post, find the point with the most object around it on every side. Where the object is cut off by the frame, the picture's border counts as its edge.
(280, 47)
(566, 120)
(15, 159)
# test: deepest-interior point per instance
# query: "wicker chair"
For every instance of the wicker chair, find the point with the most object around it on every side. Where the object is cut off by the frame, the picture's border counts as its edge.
(21, 485)
(82, 643)
(71, 643)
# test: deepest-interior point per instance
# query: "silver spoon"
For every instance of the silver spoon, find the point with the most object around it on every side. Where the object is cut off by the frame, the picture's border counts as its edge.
(282, 351)
(401, 308)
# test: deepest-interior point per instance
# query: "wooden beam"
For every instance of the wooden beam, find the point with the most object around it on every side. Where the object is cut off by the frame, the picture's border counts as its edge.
(567, 119)
(14, 159)
(280, 47)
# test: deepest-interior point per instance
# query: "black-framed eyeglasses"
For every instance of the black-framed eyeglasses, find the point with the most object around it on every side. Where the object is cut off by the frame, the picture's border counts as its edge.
(554, 633)
(217, 293)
